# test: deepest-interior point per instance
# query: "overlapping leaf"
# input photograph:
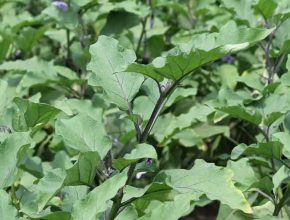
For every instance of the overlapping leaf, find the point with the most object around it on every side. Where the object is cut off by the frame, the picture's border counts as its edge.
(204, 48)
(108, 63)
(12, 151)
(37, 196)
(96, 202)
(84, 170)
(205, 178)
(7, 210)
(31, 115)
(84, 134)
(141, 151)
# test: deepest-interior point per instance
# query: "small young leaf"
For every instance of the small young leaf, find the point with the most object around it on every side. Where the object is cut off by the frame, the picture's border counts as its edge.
(141, 151)
(84, 170)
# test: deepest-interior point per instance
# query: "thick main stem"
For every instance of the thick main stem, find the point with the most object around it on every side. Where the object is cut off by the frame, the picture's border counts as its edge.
(143, 137)
(156, 111)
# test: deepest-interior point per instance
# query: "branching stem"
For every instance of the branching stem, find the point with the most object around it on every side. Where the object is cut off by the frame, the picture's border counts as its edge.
(143, 137)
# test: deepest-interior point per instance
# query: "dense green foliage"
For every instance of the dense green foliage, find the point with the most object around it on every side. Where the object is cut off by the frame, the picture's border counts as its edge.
(144, 109)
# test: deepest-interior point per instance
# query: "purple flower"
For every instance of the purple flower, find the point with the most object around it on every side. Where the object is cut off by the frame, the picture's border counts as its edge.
(62, 6)
(149, 162)
(228, 59)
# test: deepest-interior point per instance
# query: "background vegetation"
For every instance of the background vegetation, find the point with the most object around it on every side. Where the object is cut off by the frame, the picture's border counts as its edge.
(145, 109)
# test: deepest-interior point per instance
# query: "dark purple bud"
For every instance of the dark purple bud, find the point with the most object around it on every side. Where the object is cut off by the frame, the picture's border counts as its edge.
(149, 162)
(18, 55)
(228, 59)
(62, 6)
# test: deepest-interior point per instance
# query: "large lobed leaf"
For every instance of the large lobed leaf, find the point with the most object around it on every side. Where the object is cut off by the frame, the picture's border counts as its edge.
(204, 48)
(206, 178)
(108, 63)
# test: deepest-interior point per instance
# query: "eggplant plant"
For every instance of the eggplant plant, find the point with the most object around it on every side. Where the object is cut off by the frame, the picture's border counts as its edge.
(144, 109)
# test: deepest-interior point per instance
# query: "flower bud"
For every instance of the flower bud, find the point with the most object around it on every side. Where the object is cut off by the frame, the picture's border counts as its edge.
(62, 6)
(228, 59)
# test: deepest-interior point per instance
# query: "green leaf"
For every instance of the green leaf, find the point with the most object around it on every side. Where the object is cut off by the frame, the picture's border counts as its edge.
(128, 213)
(252, 79)
(38, 71)
(67, 19)
(243, 173)
(229, 75)
(261, 212)
(84, 170)
(266, 7)
(7, 210)
(37, 196)
(274, 107)
(153, 191)
(205, 178)
(29, 37)
(140, 152)
(268, 150)
(97, 201)
(12, 150)
(283, 174)
(119, 21)
(84, 134)
(170, 210)
(241, 112)
(32, 115)
(57, 215)
(108, 63)
(243, 10)
(188, 138)
(74, 106)
(204, 48)
(284, 138)
(282, 37)
(282, 11)
(3, 98)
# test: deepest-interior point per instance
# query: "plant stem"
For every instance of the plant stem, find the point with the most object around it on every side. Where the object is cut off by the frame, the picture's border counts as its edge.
(136, 125)
(43, 144)
(264, 194)
(272, 69)
(142, 35)
(284, 163)
(67, 45)
(14, 197)
(282, 201)
(143, 137)
(88, 6)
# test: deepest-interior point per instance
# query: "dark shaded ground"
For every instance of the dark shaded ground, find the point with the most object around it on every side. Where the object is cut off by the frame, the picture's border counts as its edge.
(208, 212)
